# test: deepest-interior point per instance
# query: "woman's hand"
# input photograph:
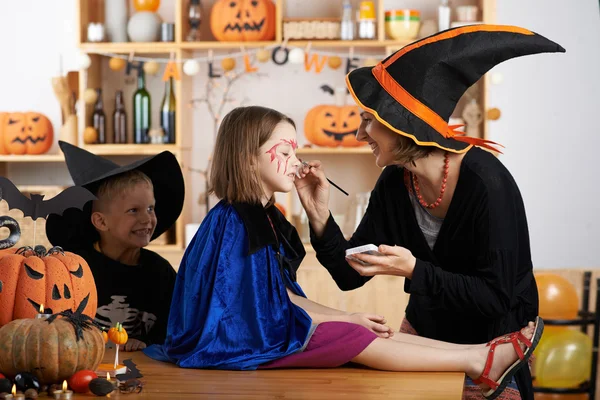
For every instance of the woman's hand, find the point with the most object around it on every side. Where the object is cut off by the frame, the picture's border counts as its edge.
(395, 260)
(374, 323)
(313, 190)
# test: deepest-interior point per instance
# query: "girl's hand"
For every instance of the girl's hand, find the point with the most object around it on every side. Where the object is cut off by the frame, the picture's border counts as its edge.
(313, 190)
(374, 323)
(134, 345)
(396, 260)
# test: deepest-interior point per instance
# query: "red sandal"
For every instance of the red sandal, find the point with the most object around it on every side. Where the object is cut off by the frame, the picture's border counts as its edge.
(496, 388)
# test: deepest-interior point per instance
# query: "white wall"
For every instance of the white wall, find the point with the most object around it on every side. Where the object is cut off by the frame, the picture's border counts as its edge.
(548, 103)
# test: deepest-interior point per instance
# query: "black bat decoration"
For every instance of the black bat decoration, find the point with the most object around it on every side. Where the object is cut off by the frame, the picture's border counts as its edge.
(36, 207)
(132, 371)
(327, 89)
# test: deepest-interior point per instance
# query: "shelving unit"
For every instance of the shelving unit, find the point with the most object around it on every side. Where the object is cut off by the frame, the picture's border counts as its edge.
(99, 75)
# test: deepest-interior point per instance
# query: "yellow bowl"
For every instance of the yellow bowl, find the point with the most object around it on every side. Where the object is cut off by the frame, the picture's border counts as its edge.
(402, 24)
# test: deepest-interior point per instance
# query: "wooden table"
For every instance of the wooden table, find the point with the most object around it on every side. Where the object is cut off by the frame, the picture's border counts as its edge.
(167, 381)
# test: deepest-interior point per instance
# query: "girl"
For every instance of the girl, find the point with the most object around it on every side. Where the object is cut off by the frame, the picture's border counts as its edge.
(237, 305)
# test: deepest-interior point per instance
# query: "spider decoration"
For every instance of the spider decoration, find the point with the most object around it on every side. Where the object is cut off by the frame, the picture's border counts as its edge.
(40, 251)
(79, 320)
(131, 385)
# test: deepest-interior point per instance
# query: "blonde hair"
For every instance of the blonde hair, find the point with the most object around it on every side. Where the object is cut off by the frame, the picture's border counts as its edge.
(407, 150)
(242, 133)
(117, 185)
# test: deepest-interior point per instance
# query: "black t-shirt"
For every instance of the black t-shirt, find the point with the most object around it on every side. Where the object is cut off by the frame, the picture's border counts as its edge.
(137, 296)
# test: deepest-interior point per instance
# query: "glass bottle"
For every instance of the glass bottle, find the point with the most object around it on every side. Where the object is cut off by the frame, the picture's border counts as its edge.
(119, 120)
(141, 111)
(347, 25)
(99, 118)
(167, 112)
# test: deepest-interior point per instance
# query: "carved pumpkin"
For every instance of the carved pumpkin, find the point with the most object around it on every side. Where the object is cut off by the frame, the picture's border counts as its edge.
(27, 133)
(52, 350)
(59, 281)
(243, 20)
(332, 126)
(2, 119)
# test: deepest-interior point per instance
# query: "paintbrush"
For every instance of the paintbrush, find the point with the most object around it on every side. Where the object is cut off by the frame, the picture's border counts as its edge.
(305, 164)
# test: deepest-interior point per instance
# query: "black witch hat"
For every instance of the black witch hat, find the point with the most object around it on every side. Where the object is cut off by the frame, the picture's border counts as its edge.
(74, 229)
(415, 90)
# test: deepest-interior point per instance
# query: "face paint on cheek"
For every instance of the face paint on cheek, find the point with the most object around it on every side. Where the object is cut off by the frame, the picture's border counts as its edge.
(274, 156)
(281, 159)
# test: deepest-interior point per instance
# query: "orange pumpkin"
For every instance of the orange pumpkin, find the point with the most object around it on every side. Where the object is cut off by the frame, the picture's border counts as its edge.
(3, 116)
(52, 350)
(117, 334)
(243, 20)
(27, 133)
(332, 126)
(58, 281)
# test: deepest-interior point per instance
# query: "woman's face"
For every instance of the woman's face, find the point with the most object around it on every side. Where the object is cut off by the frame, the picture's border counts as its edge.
(381, 139)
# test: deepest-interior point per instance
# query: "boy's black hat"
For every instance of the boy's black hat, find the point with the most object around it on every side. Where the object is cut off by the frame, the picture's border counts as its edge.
(74, 229)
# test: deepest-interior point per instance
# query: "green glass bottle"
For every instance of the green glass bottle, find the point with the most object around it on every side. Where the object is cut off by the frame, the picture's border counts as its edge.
(141, 111)
(167, 112)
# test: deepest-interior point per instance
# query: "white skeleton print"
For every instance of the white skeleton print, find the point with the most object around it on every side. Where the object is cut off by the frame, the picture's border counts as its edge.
(134, 321)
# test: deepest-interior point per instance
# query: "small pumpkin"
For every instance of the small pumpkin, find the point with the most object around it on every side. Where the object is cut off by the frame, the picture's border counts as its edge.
(332, 126)
(243, 20)
(27, 133)
(3, 116)
(117, 334)
(52, 350)
(57, 280)
(104, 336)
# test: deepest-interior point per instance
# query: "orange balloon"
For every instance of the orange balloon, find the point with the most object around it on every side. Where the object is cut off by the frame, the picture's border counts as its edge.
(557, 296)
(146, 5)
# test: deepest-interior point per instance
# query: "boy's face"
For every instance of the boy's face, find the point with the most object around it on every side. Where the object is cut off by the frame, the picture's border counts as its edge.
(277, 162)
(129, 218)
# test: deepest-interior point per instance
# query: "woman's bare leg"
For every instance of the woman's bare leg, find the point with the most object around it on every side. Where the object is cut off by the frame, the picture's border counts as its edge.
(392, 355)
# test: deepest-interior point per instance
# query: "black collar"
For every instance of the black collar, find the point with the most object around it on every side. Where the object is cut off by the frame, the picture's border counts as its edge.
(258, 228)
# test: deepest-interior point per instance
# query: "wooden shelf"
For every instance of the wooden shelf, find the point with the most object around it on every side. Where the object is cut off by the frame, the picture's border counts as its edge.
(32, 158)
(348, 43)
(149, 47)
(334, 150)
(162, 248)
(130, 149)
(225, 45)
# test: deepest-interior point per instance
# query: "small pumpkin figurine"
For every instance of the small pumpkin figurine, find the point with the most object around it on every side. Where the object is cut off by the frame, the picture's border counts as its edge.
(30, 278)
(27, 133)
(51, 349)
(333, 126)
(118, 335)
(243, 20)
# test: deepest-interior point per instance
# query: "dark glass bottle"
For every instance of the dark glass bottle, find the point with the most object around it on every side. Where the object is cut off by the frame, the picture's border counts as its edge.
(167, 112)
(99, 118)
(119, 119)
(141, 111)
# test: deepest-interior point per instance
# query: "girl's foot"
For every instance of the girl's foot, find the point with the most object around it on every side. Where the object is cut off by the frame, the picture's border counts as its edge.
(500, 359)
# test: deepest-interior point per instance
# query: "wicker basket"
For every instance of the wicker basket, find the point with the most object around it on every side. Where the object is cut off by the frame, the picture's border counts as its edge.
(314, 28)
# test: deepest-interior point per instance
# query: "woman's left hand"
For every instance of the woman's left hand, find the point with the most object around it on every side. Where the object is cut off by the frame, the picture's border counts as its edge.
(395, 260)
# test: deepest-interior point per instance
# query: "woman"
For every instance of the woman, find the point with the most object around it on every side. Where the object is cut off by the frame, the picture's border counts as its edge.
(446, 215)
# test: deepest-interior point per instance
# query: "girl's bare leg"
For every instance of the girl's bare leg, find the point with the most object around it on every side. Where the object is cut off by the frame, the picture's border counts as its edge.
(423, 341)
(393, 355)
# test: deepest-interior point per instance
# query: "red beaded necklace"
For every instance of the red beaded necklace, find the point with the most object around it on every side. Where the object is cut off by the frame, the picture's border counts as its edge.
(415, 181)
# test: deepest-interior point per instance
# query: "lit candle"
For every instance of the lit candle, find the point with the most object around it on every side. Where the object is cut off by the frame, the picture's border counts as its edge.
(63, 394)
(108, 379)
(41, 314)
(16, 395)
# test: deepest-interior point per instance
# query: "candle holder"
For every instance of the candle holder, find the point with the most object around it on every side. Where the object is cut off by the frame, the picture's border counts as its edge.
(63, 394)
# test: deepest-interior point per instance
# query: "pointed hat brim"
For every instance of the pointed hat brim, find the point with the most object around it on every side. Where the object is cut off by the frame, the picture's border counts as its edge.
(74, 230)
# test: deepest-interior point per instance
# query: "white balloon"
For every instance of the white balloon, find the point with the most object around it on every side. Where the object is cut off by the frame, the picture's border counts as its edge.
(191, 67)
(296, 56)
(83, 61)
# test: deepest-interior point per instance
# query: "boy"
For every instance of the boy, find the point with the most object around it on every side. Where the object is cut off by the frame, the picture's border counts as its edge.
(135, 204)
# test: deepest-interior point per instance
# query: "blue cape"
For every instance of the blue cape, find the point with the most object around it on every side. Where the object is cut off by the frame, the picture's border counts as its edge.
(230, 308)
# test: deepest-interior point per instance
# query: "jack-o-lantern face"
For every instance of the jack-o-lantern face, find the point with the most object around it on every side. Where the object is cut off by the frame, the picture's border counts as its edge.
(243, 20)
(56, 281)
(27, 133)
(332, 126)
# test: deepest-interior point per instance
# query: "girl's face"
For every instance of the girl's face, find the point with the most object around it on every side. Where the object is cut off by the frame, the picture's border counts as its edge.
(277, 162)
(381, 139)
